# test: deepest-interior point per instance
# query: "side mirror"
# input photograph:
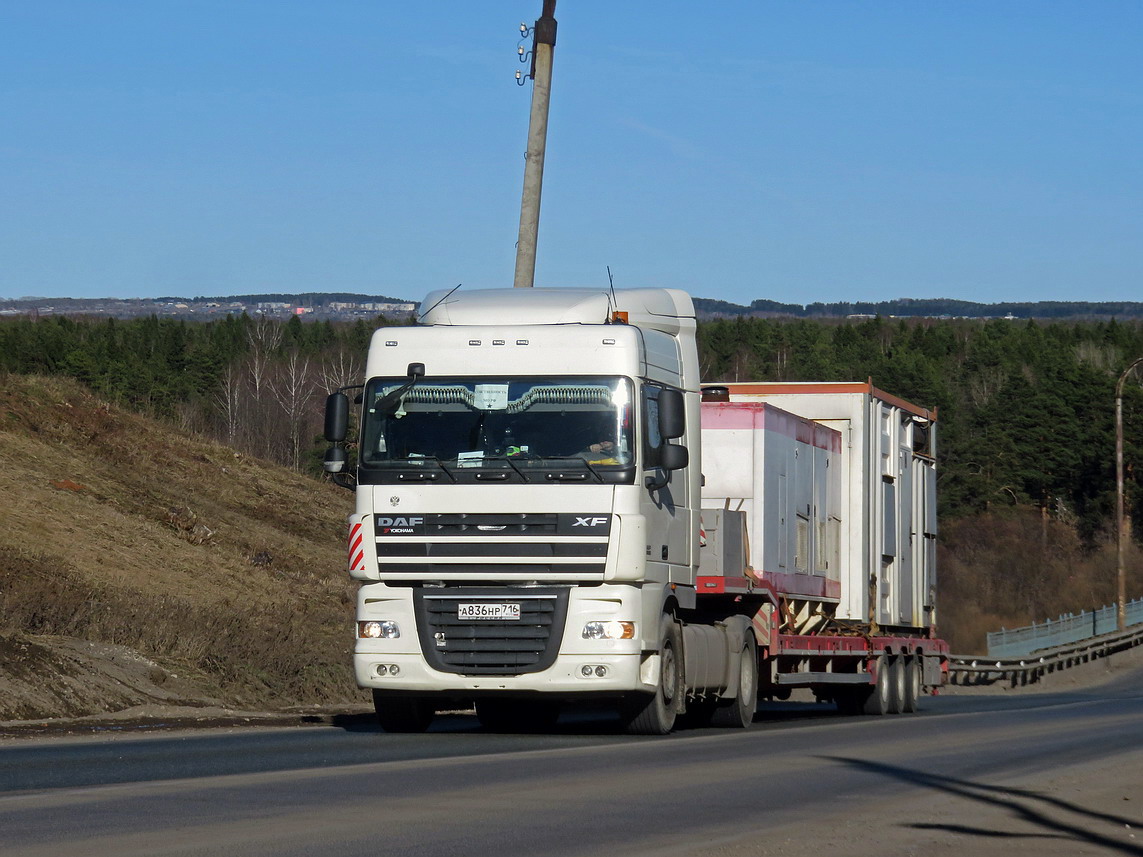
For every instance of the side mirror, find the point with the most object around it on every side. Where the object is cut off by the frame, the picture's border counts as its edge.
(335, 459)
(672, 415)
(336, 418)
(673, 457)
(670, 458)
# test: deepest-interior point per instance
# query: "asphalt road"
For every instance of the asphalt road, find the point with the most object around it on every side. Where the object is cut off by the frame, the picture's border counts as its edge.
(1047, 774)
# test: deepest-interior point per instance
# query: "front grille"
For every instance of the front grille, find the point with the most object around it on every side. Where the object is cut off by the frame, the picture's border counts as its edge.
(487, 570)
(394, 547)
(493, 525)
(491, 647)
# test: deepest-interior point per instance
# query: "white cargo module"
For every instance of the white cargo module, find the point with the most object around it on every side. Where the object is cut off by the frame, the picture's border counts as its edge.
(783, 472)
(884, 514)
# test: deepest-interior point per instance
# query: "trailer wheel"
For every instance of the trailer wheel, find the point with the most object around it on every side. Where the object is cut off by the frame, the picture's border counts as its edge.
(912, 683)
(738, 713)
(397, 713)
(654, 714)
(898, 684)
(879, 699)
(517, 715)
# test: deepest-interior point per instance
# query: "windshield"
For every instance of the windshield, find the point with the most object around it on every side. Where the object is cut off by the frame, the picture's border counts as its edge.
(461, 425)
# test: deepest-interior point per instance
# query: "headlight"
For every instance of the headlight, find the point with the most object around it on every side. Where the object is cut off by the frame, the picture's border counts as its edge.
(611, 630)
(385, 630)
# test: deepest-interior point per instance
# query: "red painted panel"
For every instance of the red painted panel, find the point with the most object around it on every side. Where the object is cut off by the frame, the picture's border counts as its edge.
(803, 584)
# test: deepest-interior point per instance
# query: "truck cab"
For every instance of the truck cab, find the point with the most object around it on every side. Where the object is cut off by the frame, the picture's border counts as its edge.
(527, 503)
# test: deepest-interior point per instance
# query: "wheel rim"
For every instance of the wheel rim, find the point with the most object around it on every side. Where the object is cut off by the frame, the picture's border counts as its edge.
(746, 678)
(669, 679)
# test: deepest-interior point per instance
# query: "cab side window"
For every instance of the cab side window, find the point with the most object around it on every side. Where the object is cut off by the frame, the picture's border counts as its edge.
(652, 440)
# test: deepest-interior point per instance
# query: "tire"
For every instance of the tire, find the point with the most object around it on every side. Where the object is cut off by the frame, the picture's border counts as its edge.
(517, 715)
(879, 699)
(898, 684)
(912, 683)
(738, 713)
(655, 713)
(403, 713)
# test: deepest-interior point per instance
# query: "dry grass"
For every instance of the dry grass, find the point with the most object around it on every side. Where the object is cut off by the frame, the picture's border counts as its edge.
(1014, 569)
(118, 529)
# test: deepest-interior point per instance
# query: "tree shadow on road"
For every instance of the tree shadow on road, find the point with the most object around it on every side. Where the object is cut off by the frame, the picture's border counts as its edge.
(1051, 817)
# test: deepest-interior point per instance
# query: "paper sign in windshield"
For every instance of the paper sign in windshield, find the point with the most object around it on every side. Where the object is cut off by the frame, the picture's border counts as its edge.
(491, 397)
(470, 459)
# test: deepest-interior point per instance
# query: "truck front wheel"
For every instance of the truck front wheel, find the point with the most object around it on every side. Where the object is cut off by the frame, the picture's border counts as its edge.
(400, 713)
(655, 714)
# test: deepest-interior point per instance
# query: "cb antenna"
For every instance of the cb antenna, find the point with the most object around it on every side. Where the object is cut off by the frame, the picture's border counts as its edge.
(613, 301)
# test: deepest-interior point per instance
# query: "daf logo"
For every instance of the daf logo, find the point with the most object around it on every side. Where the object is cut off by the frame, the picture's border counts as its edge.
(589, 522)
(401, 522)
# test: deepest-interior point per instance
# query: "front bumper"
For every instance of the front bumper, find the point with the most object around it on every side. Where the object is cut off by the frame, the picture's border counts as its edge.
(616, 666)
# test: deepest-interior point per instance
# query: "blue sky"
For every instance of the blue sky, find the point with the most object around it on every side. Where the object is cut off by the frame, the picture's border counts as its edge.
(794, 151)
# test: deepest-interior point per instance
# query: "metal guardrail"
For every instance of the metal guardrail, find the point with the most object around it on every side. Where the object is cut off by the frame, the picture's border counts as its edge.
(1067, 629)
(1028, 669)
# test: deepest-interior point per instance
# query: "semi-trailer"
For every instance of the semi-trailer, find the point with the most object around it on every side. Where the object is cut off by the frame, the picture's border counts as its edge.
(552, 509)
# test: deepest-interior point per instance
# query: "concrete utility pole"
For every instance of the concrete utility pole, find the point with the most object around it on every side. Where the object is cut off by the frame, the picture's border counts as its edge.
(1121, 537)
(543, 48)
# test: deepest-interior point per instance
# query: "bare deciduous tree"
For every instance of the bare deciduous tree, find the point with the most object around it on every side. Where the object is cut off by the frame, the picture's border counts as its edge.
(228, 400)
(294, 389)
(265, 337)
(340, 370)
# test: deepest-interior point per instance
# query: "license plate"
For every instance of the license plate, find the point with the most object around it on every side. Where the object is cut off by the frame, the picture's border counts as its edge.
(488, 610)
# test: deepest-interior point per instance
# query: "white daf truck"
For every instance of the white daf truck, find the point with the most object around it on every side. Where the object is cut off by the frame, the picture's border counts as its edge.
(532, 527)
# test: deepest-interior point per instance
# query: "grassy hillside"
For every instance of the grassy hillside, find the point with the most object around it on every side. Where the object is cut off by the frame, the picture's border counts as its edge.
(222, 572)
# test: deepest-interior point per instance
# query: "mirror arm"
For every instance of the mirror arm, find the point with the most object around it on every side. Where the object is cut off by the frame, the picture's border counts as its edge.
(345, 480)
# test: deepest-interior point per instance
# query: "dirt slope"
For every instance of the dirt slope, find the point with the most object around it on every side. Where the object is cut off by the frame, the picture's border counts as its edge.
(139, 563)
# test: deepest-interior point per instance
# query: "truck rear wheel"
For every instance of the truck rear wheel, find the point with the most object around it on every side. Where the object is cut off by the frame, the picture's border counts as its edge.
(399, 713)
(738, 713)
(655, 714)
